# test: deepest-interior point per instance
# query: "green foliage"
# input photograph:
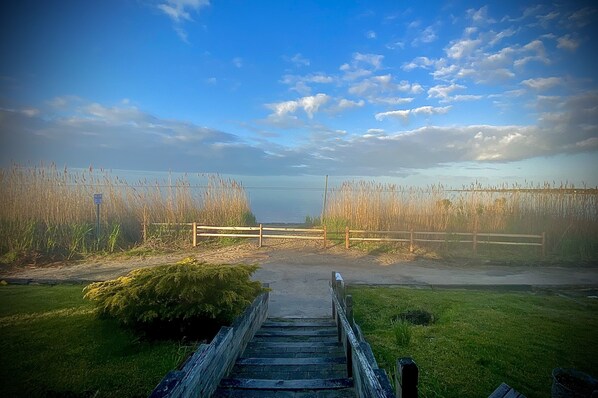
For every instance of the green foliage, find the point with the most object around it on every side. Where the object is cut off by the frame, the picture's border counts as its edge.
(53, 346)
(481, 338)
(312, 221)
(248, 219)
(187, 296)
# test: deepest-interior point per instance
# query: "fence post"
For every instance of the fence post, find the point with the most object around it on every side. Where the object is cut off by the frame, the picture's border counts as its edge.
(543, 244)
(475, 242)
(411, 241)
(348, 349)
(406, 375)
(324, 236)
(261, 236)
(194, 234)
(346, 237)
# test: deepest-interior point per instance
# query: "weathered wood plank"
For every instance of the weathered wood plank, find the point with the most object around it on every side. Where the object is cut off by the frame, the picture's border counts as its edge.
(505, 391)
(291, 361)
(302, 384)
(302, 324)
(307, 332)
(292, 344)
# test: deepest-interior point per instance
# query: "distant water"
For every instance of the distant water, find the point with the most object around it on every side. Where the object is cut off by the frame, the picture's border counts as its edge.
(280, 199)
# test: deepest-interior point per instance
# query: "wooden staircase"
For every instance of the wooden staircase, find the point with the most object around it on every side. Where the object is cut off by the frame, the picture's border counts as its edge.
(296, 358)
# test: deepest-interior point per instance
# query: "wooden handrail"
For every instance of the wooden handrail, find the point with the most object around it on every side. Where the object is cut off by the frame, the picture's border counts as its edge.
(369, 381)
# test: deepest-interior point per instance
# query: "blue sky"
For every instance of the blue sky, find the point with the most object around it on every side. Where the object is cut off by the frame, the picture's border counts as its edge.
(418, 91)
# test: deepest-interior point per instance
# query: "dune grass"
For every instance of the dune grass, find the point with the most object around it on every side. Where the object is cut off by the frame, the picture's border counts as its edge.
(51, 212)
(568, 215)
(53, 345)
(480, 338)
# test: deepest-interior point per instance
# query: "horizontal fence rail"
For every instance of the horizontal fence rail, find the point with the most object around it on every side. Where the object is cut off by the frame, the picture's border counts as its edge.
(259, 233)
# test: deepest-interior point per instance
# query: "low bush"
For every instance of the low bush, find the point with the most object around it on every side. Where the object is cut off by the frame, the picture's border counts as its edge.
(188, 298)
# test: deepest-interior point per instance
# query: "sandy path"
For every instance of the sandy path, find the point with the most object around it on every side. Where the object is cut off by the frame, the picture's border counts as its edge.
(298, 273)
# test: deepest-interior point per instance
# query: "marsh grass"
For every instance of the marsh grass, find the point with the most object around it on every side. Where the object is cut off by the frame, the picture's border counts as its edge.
(51, 211)
(480, 339)
(52, 344)
(568, 215)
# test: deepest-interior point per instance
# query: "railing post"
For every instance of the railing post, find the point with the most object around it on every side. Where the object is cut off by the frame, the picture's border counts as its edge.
(543, 244)
(349, 309)
(346, 237)
(324, 236)
(261, 236)
(333, 287)
(406, 377)
(411, 241)
(348, 348)
(194, 234)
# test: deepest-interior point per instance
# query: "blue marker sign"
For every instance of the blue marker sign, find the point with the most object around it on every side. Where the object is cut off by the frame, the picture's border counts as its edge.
(97, 198)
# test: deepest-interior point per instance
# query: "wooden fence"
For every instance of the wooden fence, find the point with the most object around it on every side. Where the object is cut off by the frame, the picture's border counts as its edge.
(411, 237)
(474, 238)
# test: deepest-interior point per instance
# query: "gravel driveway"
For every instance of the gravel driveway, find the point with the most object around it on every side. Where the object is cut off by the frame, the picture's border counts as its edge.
(298, 273)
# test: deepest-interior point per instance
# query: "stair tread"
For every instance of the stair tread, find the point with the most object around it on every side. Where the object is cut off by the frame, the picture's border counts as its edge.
(295, 384)
(291, 361)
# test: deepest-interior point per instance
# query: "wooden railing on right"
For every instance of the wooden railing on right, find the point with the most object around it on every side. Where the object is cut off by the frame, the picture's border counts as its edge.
(369, 380)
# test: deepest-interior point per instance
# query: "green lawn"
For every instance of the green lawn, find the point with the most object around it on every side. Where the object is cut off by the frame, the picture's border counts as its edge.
(53, 345)
(481, 338)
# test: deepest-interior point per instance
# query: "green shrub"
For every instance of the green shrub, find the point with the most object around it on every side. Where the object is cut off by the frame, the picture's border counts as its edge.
(186, 298)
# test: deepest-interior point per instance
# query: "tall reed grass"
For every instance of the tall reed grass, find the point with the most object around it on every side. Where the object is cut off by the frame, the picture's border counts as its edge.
(568, 216)
(51, 211)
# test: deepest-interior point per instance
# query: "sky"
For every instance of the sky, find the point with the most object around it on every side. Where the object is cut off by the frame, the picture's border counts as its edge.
(438, 91)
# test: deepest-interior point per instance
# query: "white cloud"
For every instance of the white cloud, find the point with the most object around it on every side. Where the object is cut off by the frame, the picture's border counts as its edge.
(418, 62)
(309, 104)
(428, 35)
(303, 84)
(462, 48)
(390, 100)
(466, 97)
(344, 104)
(370, 34)
(298, 60)
(404, 113)
(567, 43)
(480, 16)
(546, 19)
(542, 83)
(503, 34)
(375, 60)
(180, 10)
(443, 92)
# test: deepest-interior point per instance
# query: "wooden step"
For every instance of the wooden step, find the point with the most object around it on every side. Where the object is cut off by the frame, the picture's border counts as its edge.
(291, 361)
(246, 393)
(299, 384)
(302, 324)
(308, 332)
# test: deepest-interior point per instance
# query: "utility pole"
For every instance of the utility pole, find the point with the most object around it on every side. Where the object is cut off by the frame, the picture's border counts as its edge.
(325, 194)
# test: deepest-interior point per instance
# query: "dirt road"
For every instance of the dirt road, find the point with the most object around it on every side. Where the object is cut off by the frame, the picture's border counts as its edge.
(298, 273)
